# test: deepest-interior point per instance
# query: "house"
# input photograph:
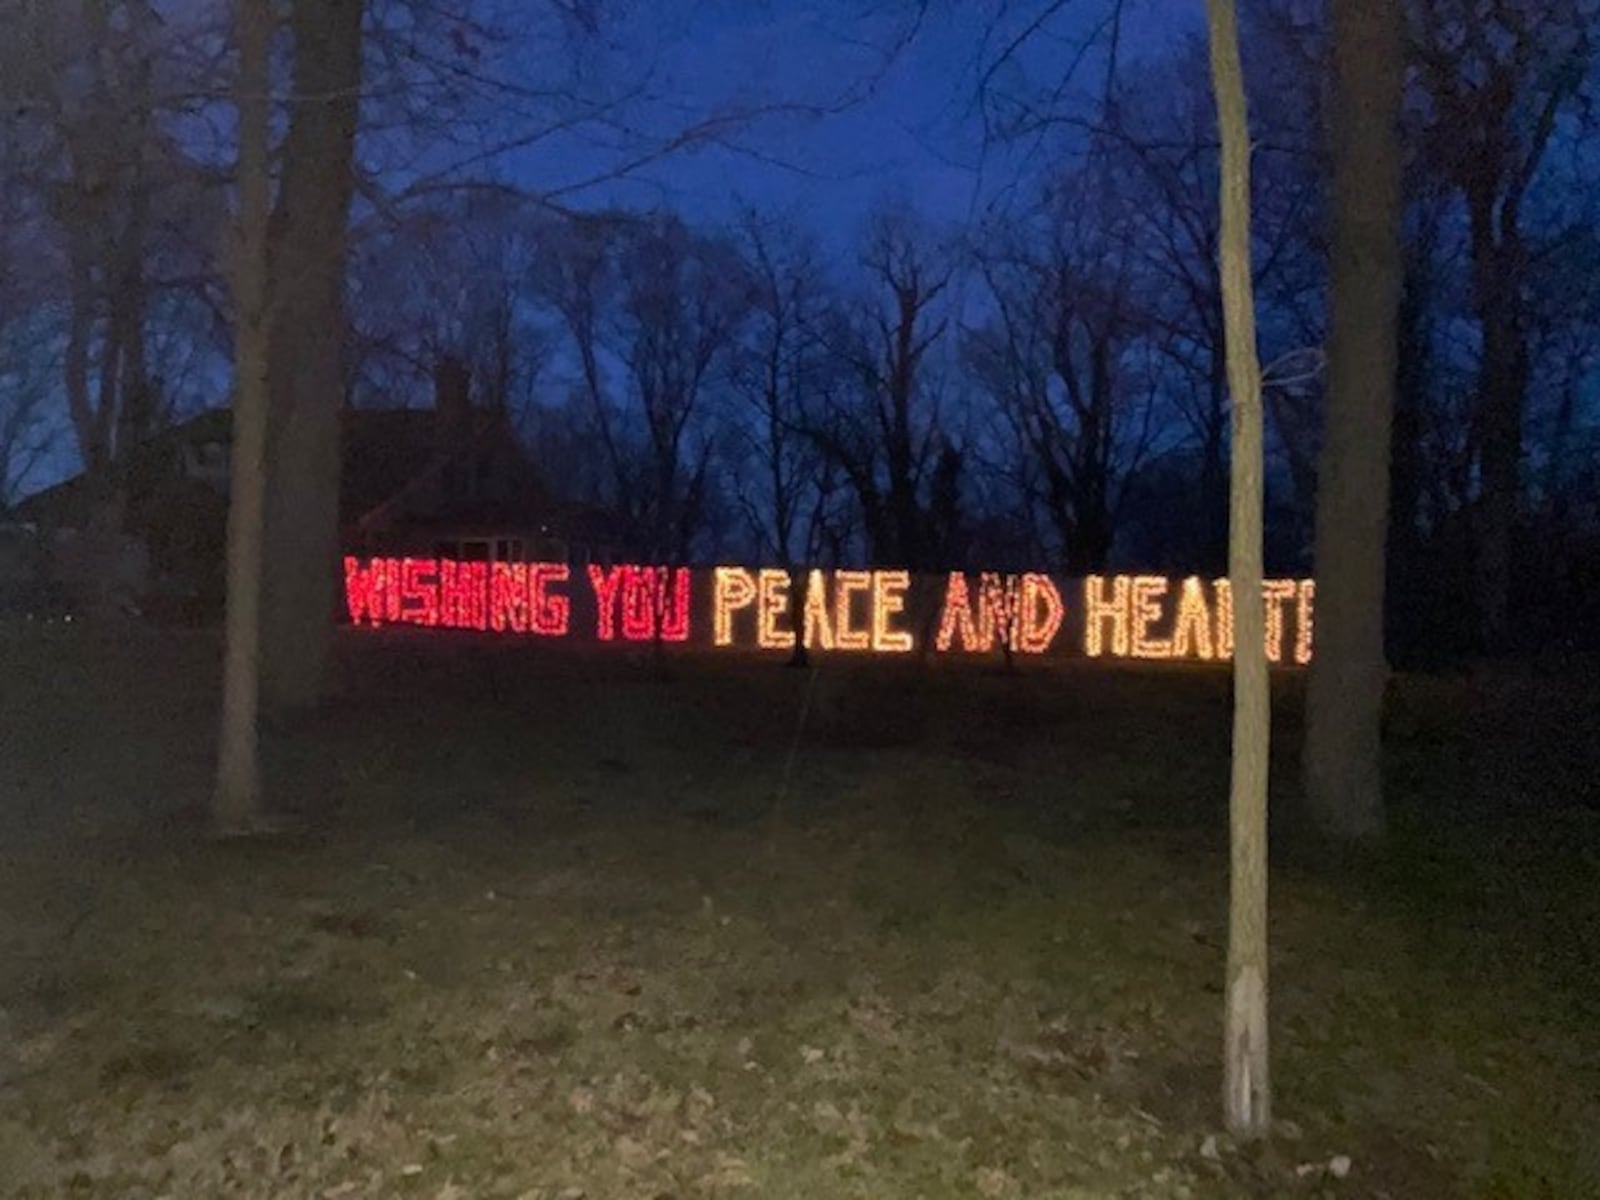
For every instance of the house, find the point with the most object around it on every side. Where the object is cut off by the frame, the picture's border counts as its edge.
(454, 482)
(173, 526)
(448, 481)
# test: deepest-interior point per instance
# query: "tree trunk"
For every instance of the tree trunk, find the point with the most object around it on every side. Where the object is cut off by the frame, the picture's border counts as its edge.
(1344, 703)
(1503, 386)
(1406, 464)
(1247, 1092)
(237, 801)
(801, 657)
(1213, 475)
(307, 334)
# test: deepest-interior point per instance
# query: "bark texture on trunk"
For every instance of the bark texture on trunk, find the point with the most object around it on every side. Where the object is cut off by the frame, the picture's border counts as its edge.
(1344, 701)
(1247, 1091)
(237, 801)
(307, 334)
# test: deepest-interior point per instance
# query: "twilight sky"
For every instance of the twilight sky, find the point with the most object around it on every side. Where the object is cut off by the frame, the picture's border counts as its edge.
(914, 135)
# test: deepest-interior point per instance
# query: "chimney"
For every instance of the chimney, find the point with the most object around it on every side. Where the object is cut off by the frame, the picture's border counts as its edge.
(452, 399)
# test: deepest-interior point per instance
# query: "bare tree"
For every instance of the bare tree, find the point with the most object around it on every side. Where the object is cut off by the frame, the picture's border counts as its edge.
(1064, 360)
(307, 255)
(1247, 1089)
(683, 299)
(881, 425)
(1499, 79)
(448, 279)
(1343, 761)
(237, 801)
(27, 434)
(113, 220)
(1163, 146)
(785, 485)
(651, 311)
(30, 358)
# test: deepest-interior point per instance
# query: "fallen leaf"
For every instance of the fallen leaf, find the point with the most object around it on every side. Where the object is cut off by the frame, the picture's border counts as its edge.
(993, 1182)
(633, 1154)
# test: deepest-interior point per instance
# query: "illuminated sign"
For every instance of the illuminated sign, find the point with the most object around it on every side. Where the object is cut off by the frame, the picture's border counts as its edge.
(851, 611)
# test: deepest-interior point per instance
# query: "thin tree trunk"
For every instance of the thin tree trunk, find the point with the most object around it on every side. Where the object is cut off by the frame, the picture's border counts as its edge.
(1213, 475)
(1503, 387)
(1344, 702)
(237, 801)
(1247, 1091)
(307, 336)
(1406, 465)
(801, 657)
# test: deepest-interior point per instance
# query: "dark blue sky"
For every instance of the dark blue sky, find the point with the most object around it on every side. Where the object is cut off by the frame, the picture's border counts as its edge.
(916, 136)
(913, 136)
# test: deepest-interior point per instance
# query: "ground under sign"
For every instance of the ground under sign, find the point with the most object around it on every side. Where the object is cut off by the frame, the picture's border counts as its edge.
(859, 611)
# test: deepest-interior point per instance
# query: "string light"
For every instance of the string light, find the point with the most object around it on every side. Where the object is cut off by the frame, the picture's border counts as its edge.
(458, 595)
(640, 603)
(364, 590)
(549, 613)
(772, 602)
(1148, 591)
(818, 626)
(1097, 610)
(508, 597)
(673, 609)
(393, 592)
(957, 618)
(1026, 611)
(1275, 592)
(463, 601)
(997, 610)
(846, 584)
(449, 594)
(889, 598)
(1304, 621)
(607, 585)
(419, 591)
(1033, 635)
(653, 601)
(1191, 630)
(1224, 591)
(641, 600)
(475, 586)
(733, 588)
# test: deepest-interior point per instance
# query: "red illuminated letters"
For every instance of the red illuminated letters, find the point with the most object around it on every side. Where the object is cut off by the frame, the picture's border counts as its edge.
(1124, 616)
(508, 597)
(645, 600)
(365, 590)
(549, 613)
(419, 591)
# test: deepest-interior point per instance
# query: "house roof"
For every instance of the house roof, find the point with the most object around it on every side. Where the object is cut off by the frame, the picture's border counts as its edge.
(68, 503)
(387, 457)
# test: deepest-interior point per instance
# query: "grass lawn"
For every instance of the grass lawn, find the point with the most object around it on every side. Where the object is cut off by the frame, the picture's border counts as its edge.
(556, 926)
